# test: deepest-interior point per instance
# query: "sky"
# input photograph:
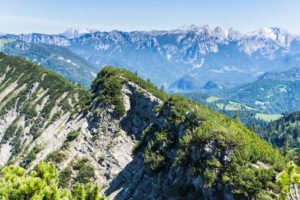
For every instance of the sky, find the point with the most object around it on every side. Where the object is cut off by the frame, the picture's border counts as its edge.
(55, 16)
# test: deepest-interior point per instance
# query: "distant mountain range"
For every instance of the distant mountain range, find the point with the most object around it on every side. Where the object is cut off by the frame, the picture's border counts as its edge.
(189, 58)
(248, 68)
(57, 58)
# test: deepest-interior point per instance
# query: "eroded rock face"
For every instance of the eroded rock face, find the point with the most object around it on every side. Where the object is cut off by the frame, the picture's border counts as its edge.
(108, 142)
(137, 181)
(140, 109)
(105, 140)
(113, 138)
(153, 149)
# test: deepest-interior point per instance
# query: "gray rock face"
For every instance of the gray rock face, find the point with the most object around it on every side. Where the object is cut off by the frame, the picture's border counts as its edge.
(107, 142)
(140, 112)
(137, 181)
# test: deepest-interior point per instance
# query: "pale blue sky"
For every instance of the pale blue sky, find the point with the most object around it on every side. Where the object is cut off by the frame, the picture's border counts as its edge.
(54, 16)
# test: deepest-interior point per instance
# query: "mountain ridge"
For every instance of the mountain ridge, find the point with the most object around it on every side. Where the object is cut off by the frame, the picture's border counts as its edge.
(127, 137)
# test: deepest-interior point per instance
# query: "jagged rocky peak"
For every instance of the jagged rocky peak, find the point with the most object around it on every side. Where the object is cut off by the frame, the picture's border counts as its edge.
(265, 41)
(132, 99)
(218, 32)
(37, 38)
(133, 140)
(76, 32)
(273, 33)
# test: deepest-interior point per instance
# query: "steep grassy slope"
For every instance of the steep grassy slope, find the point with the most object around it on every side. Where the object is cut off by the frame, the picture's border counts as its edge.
(32, 99)
(134, 141)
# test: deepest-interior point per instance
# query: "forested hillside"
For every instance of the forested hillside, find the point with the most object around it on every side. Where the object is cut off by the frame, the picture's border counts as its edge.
(284, 132)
